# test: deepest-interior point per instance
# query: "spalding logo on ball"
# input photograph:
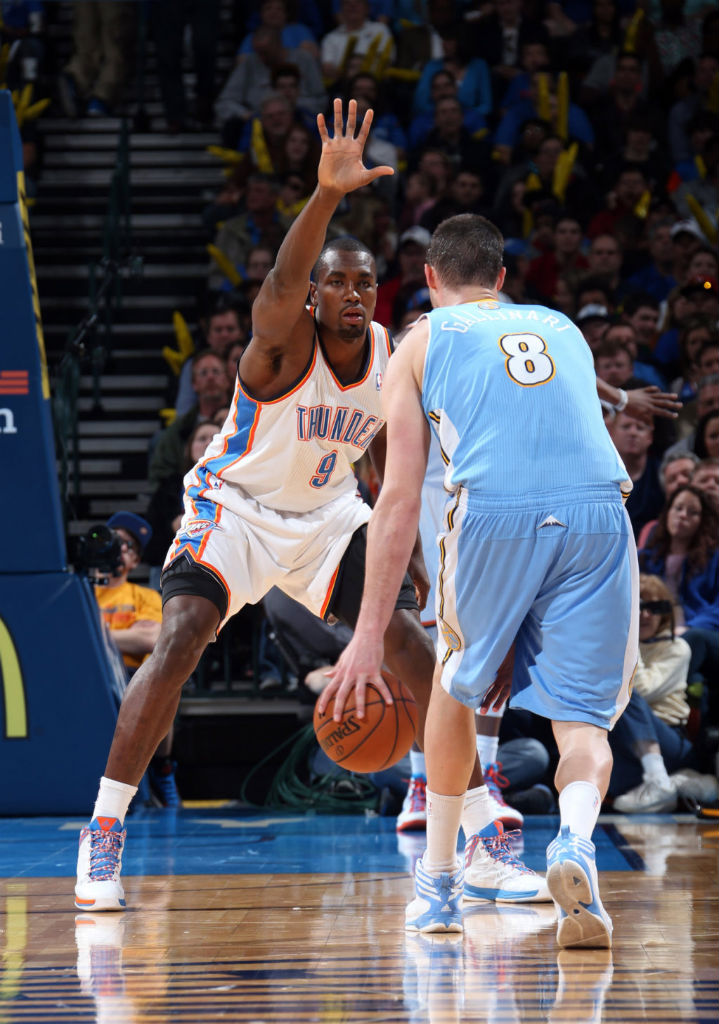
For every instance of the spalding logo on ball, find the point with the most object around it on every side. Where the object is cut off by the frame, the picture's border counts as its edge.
(377, 741)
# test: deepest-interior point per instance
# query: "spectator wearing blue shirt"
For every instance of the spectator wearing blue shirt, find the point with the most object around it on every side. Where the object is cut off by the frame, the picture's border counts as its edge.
(508, 130)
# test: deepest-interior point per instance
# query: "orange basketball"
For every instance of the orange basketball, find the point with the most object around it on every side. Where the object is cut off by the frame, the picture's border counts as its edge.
(374, 742)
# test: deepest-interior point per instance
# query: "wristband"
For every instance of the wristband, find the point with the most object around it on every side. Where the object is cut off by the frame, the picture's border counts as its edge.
(621, 405)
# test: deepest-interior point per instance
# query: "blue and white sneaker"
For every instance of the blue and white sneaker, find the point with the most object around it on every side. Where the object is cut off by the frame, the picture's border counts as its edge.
(99, 861)
(493, 871)
(574, 886)
(437, 905)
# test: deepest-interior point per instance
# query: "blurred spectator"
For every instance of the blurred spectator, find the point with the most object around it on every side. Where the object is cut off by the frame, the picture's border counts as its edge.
(698, 297)
(260, 223)
(22, 27)
(703, 188)
(619, 109)
(419, 197)
(640, 147)
(466, 78)
(498, 35)
(443, 85)
(275, 14)
(534, 56)
(210, 384)
(593, 321)
(352, 39)
(386, 125)
(168, 20)
(696, 332)
(706, 479)
(103, 35)
(450, 135)
(633, 439)
(676, 470)
(622, 214)
(132, 615)
(578, 125)
(409, 275)
(641, 312)
(706, 439)
(604, 257)
(706, 67)
(466, 195)
(650, 740)
(683, 550)
(657, 277)
(613, 362)
(250, 84)
(224, 326)
(166, 509)
(566, 255)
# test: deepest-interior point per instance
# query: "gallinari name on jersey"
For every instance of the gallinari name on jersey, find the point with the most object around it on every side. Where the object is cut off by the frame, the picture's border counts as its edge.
(462, 321)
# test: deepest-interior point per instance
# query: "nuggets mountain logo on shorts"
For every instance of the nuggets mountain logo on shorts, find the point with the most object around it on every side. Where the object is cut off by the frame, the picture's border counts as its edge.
(199, 526)
(450, 637)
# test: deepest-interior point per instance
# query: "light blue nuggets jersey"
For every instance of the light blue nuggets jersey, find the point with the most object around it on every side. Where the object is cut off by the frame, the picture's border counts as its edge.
(511, 393)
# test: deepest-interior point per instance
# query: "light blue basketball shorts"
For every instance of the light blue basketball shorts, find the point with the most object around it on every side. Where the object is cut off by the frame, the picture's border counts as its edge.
(557, 574)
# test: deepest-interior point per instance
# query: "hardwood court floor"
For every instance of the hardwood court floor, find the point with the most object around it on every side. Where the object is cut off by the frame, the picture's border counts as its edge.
(236, 916)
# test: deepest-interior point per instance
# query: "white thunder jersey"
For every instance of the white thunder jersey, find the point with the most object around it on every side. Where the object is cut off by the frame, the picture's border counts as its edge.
(294, 453)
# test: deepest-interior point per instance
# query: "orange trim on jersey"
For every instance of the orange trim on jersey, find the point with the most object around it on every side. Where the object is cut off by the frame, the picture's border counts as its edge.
(330, 590)
(388, 339)
(297, 386)
(370, 363)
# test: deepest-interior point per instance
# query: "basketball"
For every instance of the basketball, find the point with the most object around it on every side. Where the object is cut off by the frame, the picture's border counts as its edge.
(377, 741)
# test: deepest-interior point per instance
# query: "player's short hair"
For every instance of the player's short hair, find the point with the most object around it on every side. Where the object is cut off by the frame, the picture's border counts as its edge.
(346, 243)
(466, 249)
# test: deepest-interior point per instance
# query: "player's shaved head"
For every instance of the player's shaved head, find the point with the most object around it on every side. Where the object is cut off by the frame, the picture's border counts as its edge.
(340, 245)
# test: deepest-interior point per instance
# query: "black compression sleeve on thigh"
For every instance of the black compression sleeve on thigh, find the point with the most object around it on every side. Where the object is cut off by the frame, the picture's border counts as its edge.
(184, 577)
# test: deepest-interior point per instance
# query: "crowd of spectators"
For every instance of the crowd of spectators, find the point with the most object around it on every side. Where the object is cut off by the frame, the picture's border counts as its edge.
(586, 131)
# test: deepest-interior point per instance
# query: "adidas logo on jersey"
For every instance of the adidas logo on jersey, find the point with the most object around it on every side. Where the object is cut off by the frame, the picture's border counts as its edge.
(551, 521)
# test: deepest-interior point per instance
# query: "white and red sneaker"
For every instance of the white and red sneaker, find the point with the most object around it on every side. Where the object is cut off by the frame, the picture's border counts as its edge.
(99, 862)
(495, 783)
(413, 816)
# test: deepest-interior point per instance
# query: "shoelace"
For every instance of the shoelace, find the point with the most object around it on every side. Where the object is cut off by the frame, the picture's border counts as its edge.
(496, 782)
(499, 848)
(105, 850)
(417, 794)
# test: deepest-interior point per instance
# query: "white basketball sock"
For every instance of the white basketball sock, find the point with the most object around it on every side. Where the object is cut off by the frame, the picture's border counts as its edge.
(487, 747)
(579, 805)
(416, 760)
(443, 818)
(477, 811)
(113, 799)
(655, 770)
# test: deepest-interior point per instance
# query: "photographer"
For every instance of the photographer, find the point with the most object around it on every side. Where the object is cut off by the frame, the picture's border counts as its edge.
(132, 614)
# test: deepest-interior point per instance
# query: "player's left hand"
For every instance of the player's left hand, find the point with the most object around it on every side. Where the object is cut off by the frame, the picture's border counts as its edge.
(360, 663)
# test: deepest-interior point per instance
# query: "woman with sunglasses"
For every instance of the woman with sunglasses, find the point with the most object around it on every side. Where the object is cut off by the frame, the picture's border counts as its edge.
(649, 741)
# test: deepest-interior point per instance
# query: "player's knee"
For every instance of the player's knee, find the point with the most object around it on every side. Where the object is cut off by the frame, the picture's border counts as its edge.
(405, 636)
(181, 645)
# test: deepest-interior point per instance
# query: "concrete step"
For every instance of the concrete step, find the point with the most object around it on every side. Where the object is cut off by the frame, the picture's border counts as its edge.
(124, 403)
(119, 429)
(114, 486)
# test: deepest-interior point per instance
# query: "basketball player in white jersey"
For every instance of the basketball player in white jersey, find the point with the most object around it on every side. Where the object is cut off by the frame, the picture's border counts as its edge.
(536, 553)
(274, 500)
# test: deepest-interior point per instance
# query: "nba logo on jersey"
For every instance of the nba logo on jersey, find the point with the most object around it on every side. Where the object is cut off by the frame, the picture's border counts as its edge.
(378, 380)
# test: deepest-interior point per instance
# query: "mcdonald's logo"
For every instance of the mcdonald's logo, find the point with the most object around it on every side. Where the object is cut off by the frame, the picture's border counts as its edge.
(13, 687)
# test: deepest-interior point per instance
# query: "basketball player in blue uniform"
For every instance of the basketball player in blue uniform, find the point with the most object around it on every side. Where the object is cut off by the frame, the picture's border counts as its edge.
(536, 549)
(274, 500)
